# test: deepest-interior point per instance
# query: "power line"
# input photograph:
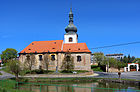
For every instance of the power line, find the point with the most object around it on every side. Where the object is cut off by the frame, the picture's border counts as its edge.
(110, 46)
(116, 45)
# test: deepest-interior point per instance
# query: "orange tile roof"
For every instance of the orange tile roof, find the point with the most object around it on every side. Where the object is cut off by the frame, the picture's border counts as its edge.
(75, 47)
(54, 46)
(43, 46)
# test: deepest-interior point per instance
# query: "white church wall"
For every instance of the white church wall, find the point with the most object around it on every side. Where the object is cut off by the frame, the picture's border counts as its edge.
(67, 36)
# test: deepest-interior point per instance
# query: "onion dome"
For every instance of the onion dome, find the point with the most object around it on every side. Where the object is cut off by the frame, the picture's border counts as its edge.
(71, 27)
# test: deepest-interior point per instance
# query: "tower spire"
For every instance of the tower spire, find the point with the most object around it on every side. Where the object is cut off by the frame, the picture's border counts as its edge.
(71, 35)
(71, 27)
(71, 16)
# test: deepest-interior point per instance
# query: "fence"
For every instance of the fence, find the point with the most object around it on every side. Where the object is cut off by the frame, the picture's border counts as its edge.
(38, 87)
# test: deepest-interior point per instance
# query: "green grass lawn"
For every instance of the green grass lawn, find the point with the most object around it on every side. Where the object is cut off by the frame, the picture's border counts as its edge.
(9, 86)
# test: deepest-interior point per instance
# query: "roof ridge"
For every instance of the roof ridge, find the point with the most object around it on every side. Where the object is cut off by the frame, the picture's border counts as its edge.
(74, 43)
(49, 40)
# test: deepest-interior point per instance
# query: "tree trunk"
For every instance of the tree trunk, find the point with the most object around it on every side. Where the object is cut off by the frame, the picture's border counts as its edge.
(16, 77)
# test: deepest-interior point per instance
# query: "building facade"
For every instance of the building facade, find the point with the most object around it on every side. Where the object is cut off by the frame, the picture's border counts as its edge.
(58, 49)
(116, 56)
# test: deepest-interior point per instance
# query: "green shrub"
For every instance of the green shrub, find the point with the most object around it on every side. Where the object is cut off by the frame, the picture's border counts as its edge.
(93, 66)
(78, 71)
(0, 73)
(66, 71)
(38, 71)
(97, 69)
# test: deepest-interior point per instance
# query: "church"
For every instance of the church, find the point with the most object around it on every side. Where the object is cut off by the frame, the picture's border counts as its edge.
(57, 49)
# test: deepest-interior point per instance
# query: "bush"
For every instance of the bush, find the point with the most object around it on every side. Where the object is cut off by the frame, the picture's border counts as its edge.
(96, 68)
(93, 66)
(38, 71)
(66, 71)
(78, 71)
(0, 73)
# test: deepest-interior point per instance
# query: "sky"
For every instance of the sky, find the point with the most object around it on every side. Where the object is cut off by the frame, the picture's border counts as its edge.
(99, 23)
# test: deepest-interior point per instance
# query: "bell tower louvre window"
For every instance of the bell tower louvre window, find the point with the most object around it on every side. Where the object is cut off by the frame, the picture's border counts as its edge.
(70, 39)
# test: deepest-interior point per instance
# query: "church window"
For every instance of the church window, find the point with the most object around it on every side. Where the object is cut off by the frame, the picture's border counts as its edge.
(28, 57)
(78, 58)
(40, 57)
(70, 39)
(52, 57)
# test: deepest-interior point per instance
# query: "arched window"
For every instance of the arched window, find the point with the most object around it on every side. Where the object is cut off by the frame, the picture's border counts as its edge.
(52, 57)
(70, 39)
(28, 57)
(40, 57)
(78, 58)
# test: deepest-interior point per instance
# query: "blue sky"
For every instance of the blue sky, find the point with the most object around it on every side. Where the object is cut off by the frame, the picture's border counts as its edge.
(99, 23)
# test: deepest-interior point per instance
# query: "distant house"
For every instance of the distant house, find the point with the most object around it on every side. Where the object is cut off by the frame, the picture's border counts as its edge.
(116, 56)
(93, 60)
(57, 50)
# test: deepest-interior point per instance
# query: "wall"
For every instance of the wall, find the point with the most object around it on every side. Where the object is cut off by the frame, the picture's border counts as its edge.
(84, 64)
(67, 36)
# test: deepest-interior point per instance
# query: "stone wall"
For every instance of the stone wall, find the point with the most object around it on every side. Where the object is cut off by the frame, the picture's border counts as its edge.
(115, 69)
(84, 64)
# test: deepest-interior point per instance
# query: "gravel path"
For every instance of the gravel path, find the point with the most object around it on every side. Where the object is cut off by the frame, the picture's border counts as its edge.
(5, 75)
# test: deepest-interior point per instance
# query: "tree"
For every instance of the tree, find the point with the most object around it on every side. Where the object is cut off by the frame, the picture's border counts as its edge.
(99, 57)
(137, 60)
(125, 59)
(46, 61)
(112, 62)
(8, 54)
(104, 61)
(15, 67)
(30, 61)
(129, 57)
(68, 63)
(132, 59)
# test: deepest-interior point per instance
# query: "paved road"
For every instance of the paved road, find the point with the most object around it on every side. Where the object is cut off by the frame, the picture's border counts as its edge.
(125, 75)
(5, 75)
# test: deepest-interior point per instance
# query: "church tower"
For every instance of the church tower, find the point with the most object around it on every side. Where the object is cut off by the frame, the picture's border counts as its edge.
(71, 31)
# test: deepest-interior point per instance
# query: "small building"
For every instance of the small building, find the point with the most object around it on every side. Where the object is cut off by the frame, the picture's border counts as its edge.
(132, 67)
(57, 50)
(116, 56)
